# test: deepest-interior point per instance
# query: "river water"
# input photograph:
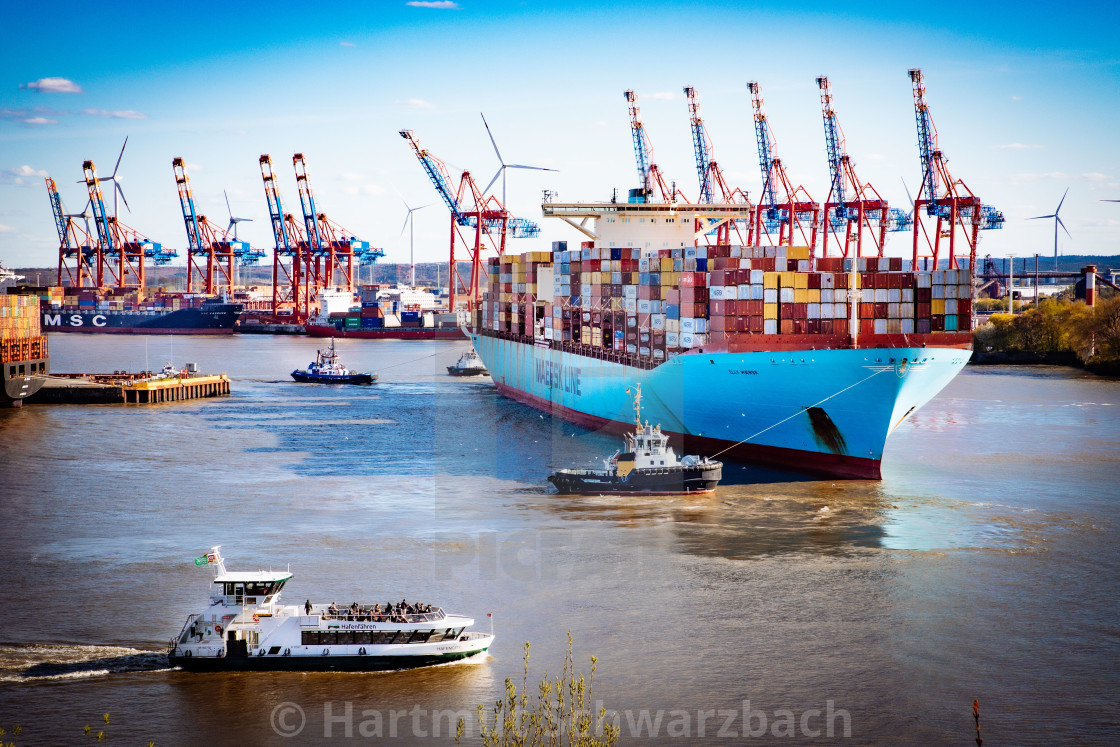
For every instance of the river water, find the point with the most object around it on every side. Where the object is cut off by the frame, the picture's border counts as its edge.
(984, 565)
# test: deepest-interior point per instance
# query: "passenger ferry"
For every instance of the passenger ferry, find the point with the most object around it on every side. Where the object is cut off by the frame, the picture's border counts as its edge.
(244, 627)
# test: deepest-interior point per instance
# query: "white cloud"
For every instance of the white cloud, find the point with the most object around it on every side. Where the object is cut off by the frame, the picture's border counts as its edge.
(116, 114)
(373, 189)
(415, 104)
(874, 156)
(26, 170)
(347, 44)
(40, 120)
(663, 95)
(1016, 98)
(52, 85)
(6, 229)
(1015, 146)
(442, 4)
(1094, 176)
(350, 176)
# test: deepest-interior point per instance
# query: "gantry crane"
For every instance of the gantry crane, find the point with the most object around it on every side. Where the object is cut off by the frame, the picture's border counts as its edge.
(852, 205)
(713, 187)
(127, 246)
(649, 173)
(335, 251)
(291, 289)
(491, 222)
(950, 201)
(211, 251)
(795, 212)
(79, 254)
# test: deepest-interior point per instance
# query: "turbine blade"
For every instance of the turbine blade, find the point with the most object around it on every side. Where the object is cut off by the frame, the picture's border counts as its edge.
(908, 195)
(119, 157)
(492, 141)
(124, 199)
(228, 208)
(521, 166)
(501, 170)
(1059, 208)
(1042, 216)
(404, 225)
(1063, 225)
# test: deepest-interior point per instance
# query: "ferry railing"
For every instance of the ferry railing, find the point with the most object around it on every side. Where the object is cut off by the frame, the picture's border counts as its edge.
(366, 614)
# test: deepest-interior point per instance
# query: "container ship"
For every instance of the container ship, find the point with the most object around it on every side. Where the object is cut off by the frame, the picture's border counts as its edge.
(24, 360)
(385, 313)
(757, 353)
(123, 311)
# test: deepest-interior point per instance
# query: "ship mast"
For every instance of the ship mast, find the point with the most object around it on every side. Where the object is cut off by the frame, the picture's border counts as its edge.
(638, 408)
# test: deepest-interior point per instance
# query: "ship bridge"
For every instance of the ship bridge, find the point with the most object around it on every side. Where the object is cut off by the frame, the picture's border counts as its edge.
(651, 225)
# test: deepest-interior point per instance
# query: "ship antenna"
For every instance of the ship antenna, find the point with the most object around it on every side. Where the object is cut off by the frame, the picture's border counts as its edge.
(638, 407)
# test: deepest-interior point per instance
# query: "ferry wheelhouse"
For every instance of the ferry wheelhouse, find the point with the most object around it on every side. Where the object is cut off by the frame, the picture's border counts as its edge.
(245, 627)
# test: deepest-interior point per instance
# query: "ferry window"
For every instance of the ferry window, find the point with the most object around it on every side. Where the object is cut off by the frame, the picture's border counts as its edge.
(22, 368)
(437, 636)
(421, 636)
(11, 370)
(310, 637)
(456, 633)
(344, 637)
(384, 636)
(363, 636)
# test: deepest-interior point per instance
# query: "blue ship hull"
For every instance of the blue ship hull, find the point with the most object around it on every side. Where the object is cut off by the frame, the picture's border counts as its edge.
(821, 411)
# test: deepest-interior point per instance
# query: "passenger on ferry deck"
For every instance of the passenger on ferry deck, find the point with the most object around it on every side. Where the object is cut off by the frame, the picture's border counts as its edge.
(307, 607)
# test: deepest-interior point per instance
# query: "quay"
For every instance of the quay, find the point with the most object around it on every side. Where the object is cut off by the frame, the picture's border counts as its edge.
(129, 388)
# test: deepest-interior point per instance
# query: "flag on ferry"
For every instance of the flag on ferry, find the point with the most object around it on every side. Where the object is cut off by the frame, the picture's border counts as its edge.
(489, 615)
(207, 558)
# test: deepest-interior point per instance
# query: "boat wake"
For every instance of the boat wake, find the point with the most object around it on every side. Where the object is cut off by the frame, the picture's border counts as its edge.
(39, 663)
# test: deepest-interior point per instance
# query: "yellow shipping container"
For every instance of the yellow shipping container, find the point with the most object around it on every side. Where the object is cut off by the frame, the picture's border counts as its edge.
(787, 278)
(801, 280)
(797, 252)
(801, 295)
(769, 311)
(938, 305)
(596, 278)
(770, 280)
(814, 295)
(585, 335)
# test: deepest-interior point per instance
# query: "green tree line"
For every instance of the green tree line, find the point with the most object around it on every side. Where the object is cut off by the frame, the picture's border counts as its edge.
(1057, 326)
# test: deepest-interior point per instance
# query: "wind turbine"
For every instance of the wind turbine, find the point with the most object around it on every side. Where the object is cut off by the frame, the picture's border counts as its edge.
(116, 180)
(233, 221)
(502, 169)
(410, 224)
(1057, 222)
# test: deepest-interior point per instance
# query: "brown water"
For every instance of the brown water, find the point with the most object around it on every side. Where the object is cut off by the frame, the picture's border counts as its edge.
(984, 564)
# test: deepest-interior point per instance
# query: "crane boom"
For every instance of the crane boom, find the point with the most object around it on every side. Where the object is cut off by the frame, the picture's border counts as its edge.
(766, 144)
(285, 244)
(643, 150)
(927, 139)
(186, 202)
(834, 143)
(438, 175)
(701, 146)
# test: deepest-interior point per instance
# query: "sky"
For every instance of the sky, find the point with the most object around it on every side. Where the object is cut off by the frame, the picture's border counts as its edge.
(1025, 98)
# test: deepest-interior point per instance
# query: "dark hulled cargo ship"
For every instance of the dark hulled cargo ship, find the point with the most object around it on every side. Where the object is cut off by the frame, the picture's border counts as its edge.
(93, 310)
(24, 359)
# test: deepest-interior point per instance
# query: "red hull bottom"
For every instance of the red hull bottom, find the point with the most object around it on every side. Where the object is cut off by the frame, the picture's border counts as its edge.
(390, 333)
(794, 460)
(141, 331)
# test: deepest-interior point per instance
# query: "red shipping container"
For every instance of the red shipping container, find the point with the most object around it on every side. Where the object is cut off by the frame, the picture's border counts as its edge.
(740, 324)
(881, 310)
(923, 295)
(718, 277)
(937, 323)
(964, 307)
(813, 326)
(867, 280)
(786, 326)
(895, 264)
(768, 264)
(717, 323)
(814, 281)
(840, 281)
(866, 326)
(718, 308)
(801, 311)
(826, 326)
(754, 323)
(786, 311)
(922, 326)
(923, 310)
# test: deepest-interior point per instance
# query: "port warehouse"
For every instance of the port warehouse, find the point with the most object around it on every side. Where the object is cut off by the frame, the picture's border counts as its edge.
(21, 338)
(650, 306)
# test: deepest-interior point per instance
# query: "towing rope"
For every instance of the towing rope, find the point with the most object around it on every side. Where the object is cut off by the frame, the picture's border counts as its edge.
(803, 409)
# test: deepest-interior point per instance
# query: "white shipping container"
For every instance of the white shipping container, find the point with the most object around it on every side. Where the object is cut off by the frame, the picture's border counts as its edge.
(939, 277)
(630, 304)
(894, 295)
(643, 306)
(814, 311)
(769, 295)
(643, 264)
(687, 339)
(826, 295)
(769, 326)
(880, 326)
(828, 280)
(657, 321)
(907, 295)
(744, 292)
(924, 280)
(950, 291)
(655, 307)
(826, 310)
(672, 339)
(906, 310)
(881, 295)
(938, 291)
(688, 324)
(672, 325)
(893, 310)
(785, 295)
(756, 277)
(730, 292)
(867, 295)
(894, 326)
(950, 306)
(630, 291)
(716, 292)
(758, 292)
(804, 265)
(884, 264)
(907, 326)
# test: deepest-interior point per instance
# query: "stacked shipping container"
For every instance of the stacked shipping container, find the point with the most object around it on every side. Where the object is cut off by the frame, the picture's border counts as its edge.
(21, 338)
(647, 306)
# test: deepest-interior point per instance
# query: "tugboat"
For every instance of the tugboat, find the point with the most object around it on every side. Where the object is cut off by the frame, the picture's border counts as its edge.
(469, 364)
(327, 370)
(647, 466)
(243, 626)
